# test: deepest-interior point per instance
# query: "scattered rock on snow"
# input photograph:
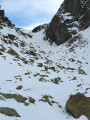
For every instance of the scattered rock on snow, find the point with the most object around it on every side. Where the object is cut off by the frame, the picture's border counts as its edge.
(13, 53)
(1, 53)
(50, 100)
(17, 97)
(31, 100)
(46, 98)
(56, 80)
(1, 98)
(9, 111)
(40, 65)
(19, 87)
(80, 71)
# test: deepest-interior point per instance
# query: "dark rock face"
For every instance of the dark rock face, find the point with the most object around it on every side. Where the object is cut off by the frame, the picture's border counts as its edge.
(5, 20)
(78, 105)
(10, 36)
(71, 11)
(39, 28)
(1, 13)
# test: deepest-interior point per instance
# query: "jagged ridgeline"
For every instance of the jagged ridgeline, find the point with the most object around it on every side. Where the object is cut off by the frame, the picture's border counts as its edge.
(72, 13)
(4, 19)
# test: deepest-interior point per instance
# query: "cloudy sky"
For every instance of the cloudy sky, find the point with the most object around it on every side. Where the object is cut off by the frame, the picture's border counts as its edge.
(30, 13)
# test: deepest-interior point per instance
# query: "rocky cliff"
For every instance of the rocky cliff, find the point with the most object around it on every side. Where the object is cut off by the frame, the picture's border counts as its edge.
(73, 16)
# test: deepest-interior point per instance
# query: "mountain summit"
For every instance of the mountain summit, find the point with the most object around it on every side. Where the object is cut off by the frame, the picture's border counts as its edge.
(73, 16)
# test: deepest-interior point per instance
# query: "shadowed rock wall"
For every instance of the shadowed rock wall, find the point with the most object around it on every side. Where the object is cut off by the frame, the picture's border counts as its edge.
(58, 31)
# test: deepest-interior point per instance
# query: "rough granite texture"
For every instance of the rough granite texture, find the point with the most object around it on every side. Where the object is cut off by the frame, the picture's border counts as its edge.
(57, 30)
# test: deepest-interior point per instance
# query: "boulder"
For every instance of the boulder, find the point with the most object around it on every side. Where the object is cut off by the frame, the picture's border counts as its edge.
(19, 87)
(31, 100)
(78, 105)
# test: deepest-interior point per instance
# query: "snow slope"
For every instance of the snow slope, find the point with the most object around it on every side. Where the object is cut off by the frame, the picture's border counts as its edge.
(42, 69)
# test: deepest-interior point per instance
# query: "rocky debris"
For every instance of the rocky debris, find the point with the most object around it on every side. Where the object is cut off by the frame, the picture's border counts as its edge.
(19, 87)
(1, 98)
(9, 111)
(18, 77)
(50, 100)
(40, 64)
(68, 68)
(9, 38)
(80, 71)
(21, 31)
(12, 37)
(2, 48)
(52, 68)
(72, 60)
(22, 44)
(13, 53)
(1, 53)
(72, 16)
(42, 79)
(46, 98)
(31, 100)
(49, 68)
(38, 74)
(15, 44)
(74, 78)
(39, 28)
(17, 97)
(56, 80)
(78, 105)
(31, 52)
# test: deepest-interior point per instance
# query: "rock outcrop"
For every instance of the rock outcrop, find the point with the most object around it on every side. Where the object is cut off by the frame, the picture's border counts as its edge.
(78, 105)
(9, 111)
(72, 16)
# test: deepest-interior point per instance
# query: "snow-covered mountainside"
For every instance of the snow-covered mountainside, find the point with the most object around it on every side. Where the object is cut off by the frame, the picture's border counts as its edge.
(36, 78)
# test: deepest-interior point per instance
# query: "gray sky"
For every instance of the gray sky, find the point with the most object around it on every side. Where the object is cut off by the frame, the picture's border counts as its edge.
(30, 13)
